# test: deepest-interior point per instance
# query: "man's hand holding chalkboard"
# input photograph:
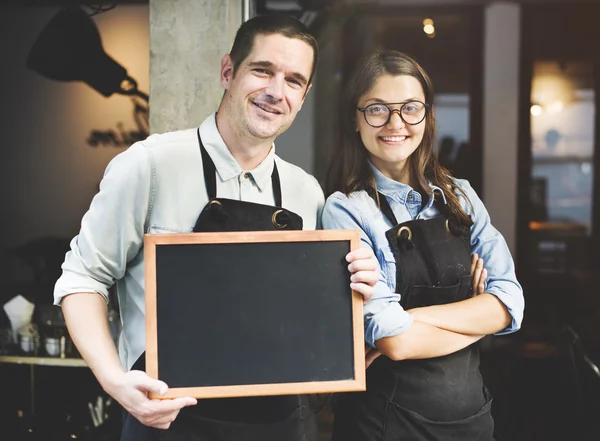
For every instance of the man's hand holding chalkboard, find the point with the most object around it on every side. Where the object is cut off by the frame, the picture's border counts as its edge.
(365, 271)
(365, 275)
(88, 325)
(133, 392)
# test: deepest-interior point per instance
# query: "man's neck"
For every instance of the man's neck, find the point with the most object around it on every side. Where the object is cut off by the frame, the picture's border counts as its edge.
(247, 152)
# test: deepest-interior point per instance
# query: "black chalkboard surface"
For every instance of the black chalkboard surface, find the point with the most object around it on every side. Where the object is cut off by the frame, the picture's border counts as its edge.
(253, 313)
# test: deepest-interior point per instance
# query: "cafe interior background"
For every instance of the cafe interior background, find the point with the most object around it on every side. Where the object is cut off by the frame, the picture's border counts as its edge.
(516, 103)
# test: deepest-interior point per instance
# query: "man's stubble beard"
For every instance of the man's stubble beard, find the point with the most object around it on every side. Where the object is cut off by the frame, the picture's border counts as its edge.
(243, 126)
(258, 135)
(252, 129)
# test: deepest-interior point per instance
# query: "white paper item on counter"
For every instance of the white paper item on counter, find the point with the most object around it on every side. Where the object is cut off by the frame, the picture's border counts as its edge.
(19, 311)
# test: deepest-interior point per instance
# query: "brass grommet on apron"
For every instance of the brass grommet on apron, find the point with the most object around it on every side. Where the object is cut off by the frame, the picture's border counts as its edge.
(402, 229)
(274, 220)
(217, 211)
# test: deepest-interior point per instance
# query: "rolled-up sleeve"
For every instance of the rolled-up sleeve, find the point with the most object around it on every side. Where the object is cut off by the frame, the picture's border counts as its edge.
(383, 315)
(490, 245)
(112, 230)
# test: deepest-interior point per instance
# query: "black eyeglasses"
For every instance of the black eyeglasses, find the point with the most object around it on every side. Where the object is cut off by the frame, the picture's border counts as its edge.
(379, 114)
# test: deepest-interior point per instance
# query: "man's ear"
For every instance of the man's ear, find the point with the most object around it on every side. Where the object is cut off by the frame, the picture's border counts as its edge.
(304, 97)
(226, 71)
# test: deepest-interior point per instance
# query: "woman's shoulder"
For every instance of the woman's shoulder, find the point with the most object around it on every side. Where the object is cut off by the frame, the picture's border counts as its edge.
(467, 196)
(465, 190)
(357, 205)
(462, 184)
(355, 200)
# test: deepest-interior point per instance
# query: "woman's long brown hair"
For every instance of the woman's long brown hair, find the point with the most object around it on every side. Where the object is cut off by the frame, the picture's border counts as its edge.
(349, 170)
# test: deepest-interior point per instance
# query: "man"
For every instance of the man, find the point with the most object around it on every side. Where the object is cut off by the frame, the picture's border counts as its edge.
(161, 185)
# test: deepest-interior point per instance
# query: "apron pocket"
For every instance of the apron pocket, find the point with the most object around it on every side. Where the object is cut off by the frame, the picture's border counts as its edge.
(297, 426)
(404, 424)
(438, 295)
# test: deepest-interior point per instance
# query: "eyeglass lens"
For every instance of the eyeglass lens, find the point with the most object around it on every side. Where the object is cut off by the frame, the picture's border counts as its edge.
(412, 112)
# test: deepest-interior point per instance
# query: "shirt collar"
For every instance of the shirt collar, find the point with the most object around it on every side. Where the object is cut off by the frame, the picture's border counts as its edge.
(226, 165)
(262, 173)
(398, 190)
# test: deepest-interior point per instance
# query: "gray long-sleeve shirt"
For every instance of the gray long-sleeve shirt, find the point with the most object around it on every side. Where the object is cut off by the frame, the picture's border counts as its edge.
(157, 186)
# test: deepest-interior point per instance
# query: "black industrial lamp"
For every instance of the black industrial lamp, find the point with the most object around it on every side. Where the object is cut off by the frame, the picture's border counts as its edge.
(70, 49)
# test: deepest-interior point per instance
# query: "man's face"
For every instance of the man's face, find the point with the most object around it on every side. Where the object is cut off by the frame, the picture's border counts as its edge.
(269, 87)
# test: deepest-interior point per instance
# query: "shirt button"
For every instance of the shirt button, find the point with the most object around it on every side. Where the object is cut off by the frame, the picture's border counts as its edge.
(410, 196)
(246, 175)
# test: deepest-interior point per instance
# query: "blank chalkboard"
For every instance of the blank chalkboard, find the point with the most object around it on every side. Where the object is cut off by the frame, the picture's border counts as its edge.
(253, 313)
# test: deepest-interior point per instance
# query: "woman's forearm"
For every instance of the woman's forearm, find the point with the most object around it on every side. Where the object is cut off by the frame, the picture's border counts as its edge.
(423, 340)
(480, 315)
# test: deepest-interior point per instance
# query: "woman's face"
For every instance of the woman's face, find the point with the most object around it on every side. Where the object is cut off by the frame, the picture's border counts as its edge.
(390, 146)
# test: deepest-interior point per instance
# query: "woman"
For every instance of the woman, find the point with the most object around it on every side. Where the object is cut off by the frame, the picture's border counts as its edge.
(423, 226)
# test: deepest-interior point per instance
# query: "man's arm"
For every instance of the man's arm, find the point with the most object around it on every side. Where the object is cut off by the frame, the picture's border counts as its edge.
(86, 315)
(111, 235)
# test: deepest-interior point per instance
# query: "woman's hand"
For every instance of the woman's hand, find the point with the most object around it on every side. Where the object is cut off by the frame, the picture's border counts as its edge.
(479, 275)
(370, 355)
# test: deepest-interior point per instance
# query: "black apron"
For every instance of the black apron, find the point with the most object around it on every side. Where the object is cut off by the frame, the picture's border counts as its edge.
(278, 418)
(435, 399)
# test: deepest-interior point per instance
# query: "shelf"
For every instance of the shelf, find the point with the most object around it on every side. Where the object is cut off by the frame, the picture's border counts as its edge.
(43, 361)
(553, 226)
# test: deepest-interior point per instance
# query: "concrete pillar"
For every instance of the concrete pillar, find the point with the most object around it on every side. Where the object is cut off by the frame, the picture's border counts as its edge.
(188, 38)
(501, 104)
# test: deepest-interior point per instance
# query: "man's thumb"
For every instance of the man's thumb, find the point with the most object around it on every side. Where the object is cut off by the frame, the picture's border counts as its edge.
(151, 385)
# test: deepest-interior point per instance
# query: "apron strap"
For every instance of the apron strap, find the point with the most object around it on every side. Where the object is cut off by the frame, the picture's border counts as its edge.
(383, 203)
(276, 184)
(210, 176)
(386, 209)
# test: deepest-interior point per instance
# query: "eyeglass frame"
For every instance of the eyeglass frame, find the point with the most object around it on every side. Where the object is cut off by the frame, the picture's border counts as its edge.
(364, 112)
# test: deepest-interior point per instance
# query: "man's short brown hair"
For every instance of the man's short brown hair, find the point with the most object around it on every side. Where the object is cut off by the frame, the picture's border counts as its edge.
(269, 25)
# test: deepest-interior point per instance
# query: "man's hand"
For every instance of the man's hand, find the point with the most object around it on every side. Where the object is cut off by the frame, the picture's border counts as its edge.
(479, 274)
(365, 272)
(131, 391)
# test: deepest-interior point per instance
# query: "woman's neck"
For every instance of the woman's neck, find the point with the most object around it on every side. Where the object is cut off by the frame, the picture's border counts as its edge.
(398, 172)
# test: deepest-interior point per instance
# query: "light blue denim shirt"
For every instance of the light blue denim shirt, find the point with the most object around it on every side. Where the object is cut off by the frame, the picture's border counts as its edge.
(157, 186)
(384, 317)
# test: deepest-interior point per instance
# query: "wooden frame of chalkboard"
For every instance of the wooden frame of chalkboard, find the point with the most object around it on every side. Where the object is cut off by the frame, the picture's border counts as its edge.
(253, 313)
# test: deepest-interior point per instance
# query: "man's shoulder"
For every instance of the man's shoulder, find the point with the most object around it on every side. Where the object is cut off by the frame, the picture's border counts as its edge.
(170, 140)
(297, 176)
(163, 153)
